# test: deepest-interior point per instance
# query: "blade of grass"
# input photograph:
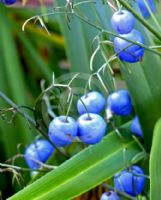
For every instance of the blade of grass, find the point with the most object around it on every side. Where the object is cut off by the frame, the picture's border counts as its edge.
(155, 163)
(13, 78)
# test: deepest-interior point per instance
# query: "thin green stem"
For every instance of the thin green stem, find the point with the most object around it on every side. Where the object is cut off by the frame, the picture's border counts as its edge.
(24, 169)
(118, 5)
(89, 117)
(152, 15)
(86, 20)
(69, 107)
(92, 58)
(116, 35)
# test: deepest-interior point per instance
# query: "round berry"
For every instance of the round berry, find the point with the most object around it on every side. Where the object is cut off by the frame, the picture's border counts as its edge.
(127, 51)
(143, 8)
(109, 196)
(62, 130)
(119, 102)
(8, 2)
(136, 128)
(122, 21)
(94, 102)
(91, 129)
(130, 181)
(40, 150)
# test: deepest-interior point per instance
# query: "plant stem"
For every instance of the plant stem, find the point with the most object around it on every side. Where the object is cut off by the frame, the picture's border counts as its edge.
(116, 35)
(17, 108)
(28, 118)
(24, 169)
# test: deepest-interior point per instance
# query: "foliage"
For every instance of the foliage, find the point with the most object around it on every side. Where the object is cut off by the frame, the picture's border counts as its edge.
(32, 55)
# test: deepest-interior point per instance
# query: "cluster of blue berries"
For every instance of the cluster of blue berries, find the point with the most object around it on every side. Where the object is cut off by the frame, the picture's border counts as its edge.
(8, 2)
(130, 181)
(123, 23)
(89, 128)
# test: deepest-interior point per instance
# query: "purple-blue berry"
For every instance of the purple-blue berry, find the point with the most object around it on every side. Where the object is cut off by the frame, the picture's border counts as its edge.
(40, 150)
(130, 181)
(109, 196)
(8, 2)
(127, 51)
(122, 21)
(143, 8)
(119, 103)
(62, 130)
(94, 103)
(91, 129)
(136, 128)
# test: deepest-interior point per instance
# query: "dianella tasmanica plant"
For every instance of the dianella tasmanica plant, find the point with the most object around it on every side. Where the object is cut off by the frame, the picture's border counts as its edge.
(96, 123)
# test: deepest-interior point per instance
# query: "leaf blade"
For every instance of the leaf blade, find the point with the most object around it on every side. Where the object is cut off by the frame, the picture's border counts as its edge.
(83, 168)
(155, 163)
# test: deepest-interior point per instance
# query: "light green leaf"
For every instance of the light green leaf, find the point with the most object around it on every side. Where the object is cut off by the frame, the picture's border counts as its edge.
(155, 163)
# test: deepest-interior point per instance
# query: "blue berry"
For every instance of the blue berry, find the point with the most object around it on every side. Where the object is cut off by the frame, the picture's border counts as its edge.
(143, 8)
(109, 196)
(94, 102)
(127, 53)
(8, 2)
(40, 150)
(136, 128)
(119, 102)
(122, 21)
(91, 129)
(62, 131)
(130, 181)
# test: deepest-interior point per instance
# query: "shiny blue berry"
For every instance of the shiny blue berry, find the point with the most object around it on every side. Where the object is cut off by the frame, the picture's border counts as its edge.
(8, 2)
(122, 21)
(91, 129)
(127, 51)
(143, 8)
(130, 181)
(109, 196)
(136, 128)
(94, 102)
(40, 150)
(62, 130)
(119, 103)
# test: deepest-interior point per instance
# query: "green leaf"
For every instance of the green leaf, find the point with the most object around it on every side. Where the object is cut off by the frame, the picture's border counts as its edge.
(79, 57)
(13, 83)
(81, 35)
(155, 163)
(85, 170)
(35, 57)
(143, 80)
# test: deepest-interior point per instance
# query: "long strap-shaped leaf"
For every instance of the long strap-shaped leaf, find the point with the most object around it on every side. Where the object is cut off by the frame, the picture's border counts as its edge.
(84, 171)
(13, 83)
(155, 163)
(143, 82)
